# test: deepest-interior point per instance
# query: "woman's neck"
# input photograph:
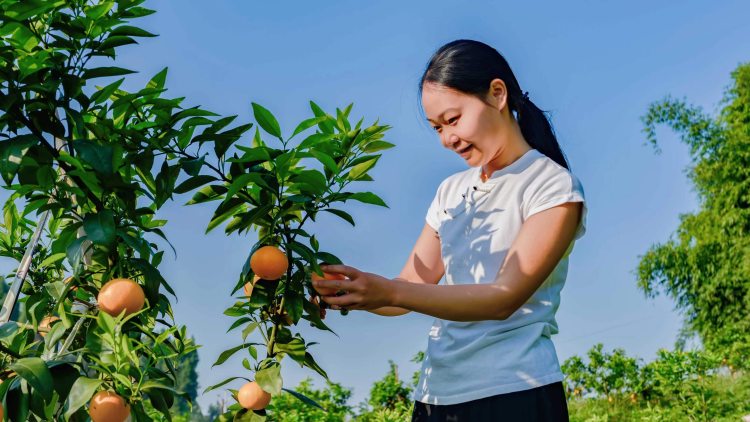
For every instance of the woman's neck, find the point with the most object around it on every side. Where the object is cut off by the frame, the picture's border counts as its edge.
(515, 146)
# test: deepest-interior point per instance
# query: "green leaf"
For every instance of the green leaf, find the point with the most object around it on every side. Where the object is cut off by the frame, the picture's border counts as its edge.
(100, 228)
(36, 373)
(208, 193)
(295, 349)
(193, 183)
(375, 146)
(192, 167)
(310, 363)
(221, 384)
(326, 159)
(249, 329)
(100, 157)
(80, 394)
(307, 124)
(326, 126)
(227, 354)
(12, 152)
(315, 139)
(25, 10)
(101, 9)
(226, 210)
(131, 31)
(269, 379)
(342, 214)
(157, 82)
(313, 178)
(116, 41)
(360, 169)
(104, 93)
(100, 72)
(266, 120)
(368, 198)
(303, 398)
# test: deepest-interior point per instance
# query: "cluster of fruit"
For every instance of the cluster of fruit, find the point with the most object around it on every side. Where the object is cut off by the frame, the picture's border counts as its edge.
(117, 296)
(271, 263)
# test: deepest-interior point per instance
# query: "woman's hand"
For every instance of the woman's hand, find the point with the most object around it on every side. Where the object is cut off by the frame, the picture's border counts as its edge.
(363, 291)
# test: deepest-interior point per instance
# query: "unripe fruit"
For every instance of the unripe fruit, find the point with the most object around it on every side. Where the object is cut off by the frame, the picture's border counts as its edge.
(121, 294)
(269, 263)
(107, 406)
(252, 397)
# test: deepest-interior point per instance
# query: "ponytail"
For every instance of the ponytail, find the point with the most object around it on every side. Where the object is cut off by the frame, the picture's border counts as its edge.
(469, 66)
(537, 130)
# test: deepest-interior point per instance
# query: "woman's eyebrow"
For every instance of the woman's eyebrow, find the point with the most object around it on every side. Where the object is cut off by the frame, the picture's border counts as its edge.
(442, 114)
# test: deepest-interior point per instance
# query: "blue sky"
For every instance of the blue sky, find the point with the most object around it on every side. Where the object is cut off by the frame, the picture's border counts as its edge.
(595, 66)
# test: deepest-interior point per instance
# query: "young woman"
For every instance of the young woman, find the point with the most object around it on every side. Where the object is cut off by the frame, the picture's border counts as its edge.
(500, 232)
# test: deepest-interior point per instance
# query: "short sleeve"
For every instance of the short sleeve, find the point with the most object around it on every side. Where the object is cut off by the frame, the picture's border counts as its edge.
(557, 190)
(432, 216)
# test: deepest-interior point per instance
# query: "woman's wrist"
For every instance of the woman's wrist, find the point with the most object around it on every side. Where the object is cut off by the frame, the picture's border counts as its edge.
(395, 291)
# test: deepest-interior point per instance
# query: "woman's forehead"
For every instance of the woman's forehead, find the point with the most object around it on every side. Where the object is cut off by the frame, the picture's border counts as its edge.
(437, 99)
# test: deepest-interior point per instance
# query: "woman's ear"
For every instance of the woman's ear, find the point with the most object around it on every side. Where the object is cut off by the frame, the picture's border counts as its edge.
(498, 94)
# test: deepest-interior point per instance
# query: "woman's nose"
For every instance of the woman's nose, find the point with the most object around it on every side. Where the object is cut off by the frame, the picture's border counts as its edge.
(450, 140)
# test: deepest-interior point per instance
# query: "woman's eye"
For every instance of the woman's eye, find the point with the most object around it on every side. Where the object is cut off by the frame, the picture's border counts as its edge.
(437, 128)
(452, 120)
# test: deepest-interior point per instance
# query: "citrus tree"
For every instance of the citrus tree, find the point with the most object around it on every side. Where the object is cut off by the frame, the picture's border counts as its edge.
(275, 189)
(92, 321)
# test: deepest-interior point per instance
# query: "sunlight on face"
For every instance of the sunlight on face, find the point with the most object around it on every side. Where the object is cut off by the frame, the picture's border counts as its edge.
(464, 123)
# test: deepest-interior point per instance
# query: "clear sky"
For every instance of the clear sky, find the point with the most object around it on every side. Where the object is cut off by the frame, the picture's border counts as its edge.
(595, 65)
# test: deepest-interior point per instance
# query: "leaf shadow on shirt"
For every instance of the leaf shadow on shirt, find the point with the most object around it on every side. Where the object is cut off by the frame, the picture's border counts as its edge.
(466, 244)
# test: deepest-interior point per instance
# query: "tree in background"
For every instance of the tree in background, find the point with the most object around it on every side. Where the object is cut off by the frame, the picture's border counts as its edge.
(705, 265)
(187, 382)
(333, 399)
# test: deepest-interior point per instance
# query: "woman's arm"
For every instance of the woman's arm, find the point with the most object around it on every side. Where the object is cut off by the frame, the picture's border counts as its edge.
(542, 241)
(424, 266)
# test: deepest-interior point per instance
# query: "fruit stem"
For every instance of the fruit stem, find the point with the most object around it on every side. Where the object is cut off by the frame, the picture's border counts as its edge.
(272, 339)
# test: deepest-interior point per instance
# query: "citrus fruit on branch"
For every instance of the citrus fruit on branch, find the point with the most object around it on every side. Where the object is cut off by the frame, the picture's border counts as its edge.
(269, 263)
(107, 406)
(121, 294)
(252, 397)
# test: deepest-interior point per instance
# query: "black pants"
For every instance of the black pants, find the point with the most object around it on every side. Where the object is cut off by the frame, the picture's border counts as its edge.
(543, 404)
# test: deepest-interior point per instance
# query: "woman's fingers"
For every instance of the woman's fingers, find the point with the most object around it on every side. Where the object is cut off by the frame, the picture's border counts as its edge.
(346, 270)
(337, 285)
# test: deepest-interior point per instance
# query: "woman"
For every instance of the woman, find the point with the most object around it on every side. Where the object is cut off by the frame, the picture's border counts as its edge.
(501, 233)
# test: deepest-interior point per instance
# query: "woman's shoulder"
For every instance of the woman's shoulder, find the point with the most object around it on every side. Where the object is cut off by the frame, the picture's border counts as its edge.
(545, 171)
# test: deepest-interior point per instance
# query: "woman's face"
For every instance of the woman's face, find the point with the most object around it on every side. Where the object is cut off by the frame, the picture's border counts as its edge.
(465, 124)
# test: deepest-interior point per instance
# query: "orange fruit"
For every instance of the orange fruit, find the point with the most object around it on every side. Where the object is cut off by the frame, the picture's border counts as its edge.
(326, 291)
(269, 263)
(107, 406)
(45, 324)
(252, 397)
(121, 294)
(248, 288)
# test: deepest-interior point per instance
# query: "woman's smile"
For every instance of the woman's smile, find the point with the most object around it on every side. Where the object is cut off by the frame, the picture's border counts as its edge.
(466, 152)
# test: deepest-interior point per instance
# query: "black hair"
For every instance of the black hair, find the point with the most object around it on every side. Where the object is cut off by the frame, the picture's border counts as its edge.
(469, 66)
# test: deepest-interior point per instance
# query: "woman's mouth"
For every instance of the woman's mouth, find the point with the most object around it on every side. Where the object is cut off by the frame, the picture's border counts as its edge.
(465, 151)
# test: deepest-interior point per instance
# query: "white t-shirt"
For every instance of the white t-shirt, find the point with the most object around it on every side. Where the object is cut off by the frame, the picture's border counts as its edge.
(477, 223)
